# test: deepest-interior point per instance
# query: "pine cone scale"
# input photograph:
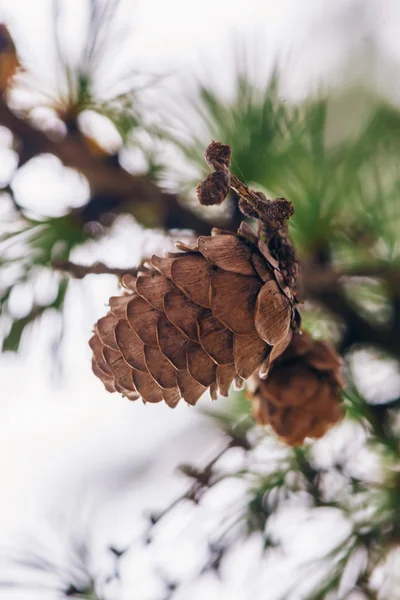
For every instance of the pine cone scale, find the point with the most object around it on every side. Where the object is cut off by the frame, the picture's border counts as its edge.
(233, 299)
(190, 389)
(108, 380)
(148, 389)
(273, 314)
(183, 313)
(118, 306)
(97, 349)
(121, 371)
(249, 352)
(130, 345)
(160, 368)
(225, 376)
(153, 287)
(215, 339)
(171, 342)
(172, 397)
(228, 253)
(105, 329)
(200, 366)
(143, 318)
(192, 274)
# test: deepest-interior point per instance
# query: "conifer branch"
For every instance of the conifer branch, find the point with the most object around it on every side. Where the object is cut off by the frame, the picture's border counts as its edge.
(98, 268)
(106, 179)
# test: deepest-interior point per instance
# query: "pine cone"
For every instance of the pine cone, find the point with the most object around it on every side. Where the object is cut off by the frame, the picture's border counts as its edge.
(301, 397)
(195, 320)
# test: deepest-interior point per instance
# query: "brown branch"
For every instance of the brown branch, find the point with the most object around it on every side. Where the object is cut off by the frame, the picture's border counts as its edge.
(326, 277)
(203, 479)
(323, 285)
(98, 268)
(105, 178)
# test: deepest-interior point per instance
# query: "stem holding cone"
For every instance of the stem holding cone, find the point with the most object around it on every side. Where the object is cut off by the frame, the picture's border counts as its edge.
(273, 214)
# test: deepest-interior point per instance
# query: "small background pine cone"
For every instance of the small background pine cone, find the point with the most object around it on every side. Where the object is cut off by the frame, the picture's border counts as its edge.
(9, 61)
(301, 397)
(199, 319)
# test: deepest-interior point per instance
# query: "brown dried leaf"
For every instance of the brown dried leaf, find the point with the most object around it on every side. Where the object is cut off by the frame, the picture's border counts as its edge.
(273, 314)
(233, 300)
(227, 252)
(215, 339)
(153, 287)
(191, 390)
(249, 352)
(160, 368)
(143, 319)
(192, 274)
(171, 342)
(182, 312)
(200, 365)
(130, 345)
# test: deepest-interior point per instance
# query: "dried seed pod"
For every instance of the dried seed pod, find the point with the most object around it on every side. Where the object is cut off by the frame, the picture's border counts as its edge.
(301, 396)
(214, 188)
(218, 156)
(199, 319)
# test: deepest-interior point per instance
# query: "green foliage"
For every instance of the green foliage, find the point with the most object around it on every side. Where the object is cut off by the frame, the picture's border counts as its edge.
(27, 255)
(341, 189)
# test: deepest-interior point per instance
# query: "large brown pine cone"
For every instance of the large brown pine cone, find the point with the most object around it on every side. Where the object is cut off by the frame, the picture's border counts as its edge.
(213, 313)
(301, 397)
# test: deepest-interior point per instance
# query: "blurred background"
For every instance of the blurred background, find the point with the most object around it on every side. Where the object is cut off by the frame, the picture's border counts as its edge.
(106, 107)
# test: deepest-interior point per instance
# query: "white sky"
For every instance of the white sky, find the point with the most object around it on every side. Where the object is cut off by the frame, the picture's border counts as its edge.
(60, 439)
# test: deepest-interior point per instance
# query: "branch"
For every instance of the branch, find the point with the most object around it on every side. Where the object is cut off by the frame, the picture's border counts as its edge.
(98, 268)
(323, 284)
(105, 179)
(326, 277)
(203, 479)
